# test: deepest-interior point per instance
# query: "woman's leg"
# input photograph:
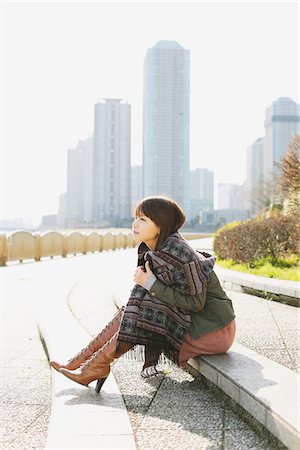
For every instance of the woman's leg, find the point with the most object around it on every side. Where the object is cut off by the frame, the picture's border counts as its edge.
(152, 355)
(98, 366)
(102, 338)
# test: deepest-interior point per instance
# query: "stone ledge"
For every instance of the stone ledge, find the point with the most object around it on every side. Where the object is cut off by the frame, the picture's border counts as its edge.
(278, 290)
(265, 389)
(287, 300)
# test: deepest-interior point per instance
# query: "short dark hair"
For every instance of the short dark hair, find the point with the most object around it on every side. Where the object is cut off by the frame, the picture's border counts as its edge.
(164, 212)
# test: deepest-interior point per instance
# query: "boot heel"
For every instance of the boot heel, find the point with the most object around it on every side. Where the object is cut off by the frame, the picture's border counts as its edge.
(99, 384)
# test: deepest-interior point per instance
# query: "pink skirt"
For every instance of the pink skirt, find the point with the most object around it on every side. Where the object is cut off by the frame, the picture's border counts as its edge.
(214, 343)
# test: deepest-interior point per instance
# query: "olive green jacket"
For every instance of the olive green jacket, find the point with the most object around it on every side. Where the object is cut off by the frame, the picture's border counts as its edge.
(209, 311)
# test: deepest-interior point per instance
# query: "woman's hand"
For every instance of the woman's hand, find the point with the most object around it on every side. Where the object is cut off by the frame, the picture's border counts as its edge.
(141, 276)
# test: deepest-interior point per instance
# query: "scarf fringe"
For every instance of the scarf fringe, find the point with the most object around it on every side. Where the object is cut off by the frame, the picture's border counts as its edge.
(137, 354)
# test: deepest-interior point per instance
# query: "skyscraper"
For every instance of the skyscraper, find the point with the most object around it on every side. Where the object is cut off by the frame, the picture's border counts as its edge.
(254, 180)
(166, 149)
(282, 123)
(79, 185)
(111, 163)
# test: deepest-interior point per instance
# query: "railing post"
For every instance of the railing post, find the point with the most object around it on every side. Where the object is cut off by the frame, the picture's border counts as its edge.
(84, 250)
(65, 246)
(37, 247)
(3, 250)
(100, 249)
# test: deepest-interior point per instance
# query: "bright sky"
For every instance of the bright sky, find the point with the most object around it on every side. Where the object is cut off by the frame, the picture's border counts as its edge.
(60, 58)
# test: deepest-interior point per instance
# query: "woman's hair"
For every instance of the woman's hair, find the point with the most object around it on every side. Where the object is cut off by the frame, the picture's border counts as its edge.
(164, 212)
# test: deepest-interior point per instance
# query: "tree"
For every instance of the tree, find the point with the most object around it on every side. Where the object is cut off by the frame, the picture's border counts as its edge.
(289, 178)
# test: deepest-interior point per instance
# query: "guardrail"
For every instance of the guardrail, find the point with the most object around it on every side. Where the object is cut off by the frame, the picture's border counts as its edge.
(23, 245)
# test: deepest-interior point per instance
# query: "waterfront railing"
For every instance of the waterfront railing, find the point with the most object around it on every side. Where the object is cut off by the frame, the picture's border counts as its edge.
(24, 245)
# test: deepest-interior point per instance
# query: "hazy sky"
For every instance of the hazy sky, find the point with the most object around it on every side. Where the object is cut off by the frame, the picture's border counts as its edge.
(60, 58)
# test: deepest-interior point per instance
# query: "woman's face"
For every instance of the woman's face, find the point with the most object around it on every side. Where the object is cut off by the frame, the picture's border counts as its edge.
(145, 230)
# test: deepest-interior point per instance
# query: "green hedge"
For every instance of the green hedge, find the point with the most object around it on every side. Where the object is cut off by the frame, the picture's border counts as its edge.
(250, 241)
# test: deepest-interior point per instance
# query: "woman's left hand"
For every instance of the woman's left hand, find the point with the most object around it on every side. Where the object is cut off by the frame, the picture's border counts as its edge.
(141, 276)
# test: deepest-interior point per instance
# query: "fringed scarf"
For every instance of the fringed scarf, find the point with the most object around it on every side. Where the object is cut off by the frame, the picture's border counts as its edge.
(149, 321)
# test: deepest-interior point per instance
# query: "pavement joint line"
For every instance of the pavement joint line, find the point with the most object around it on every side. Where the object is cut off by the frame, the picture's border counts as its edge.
(71, 309)
(280, 333)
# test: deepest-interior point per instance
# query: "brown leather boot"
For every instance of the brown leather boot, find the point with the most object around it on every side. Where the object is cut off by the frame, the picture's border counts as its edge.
(98, 366)
(104, 336)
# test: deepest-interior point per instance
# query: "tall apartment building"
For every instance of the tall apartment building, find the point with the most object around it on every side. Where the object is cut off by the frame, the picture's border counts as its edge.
(282, 123)
(166, 148)
(111, 163)
(79, 184)
(61, 219)
(255, 172)
(202, 191)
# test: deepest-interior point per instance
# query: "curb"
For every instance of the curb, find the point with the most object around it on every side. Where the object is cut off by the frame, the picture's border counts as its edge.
(283, 291)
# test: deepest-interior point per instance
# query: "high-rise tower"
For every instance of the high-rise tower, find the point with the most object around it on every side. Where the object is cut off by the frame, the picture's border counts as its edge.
(79, 184)
(254, 181)
(166, 149)
(282, 123)
(111, 163)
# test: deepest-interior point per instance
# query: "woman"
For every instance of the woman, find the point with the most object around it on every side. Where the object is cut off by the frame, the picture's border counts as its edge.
(177, 305)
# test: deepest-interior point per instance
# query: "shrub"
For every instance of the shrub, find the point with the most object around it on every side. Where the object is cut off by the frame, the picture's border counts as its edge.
(253, 240)
(222, 239)
(228, 226)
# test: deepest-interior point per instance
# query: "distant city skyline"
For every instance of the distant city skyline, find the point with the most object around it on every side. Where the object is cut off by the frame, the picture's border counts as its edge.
(59, 59)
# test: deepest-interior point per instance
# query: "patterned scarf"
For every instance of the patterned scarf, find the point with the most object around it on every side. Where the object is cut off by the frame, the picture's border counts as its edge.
(151, 322)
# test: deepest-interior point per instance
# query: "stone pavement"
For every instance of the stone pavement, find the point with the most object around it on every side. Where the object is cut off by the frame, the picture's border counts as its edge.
(173, 411)
(25, 393)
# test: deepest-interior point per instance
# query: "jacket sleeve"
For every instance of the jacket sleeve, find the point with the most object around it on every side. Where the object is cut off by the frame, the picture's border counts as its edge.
(173, 297)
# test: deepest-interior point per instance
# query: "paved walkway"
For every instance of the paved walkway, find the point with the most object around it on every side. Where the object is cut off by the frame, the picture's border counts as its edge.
(170, 412)
(25, 392)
